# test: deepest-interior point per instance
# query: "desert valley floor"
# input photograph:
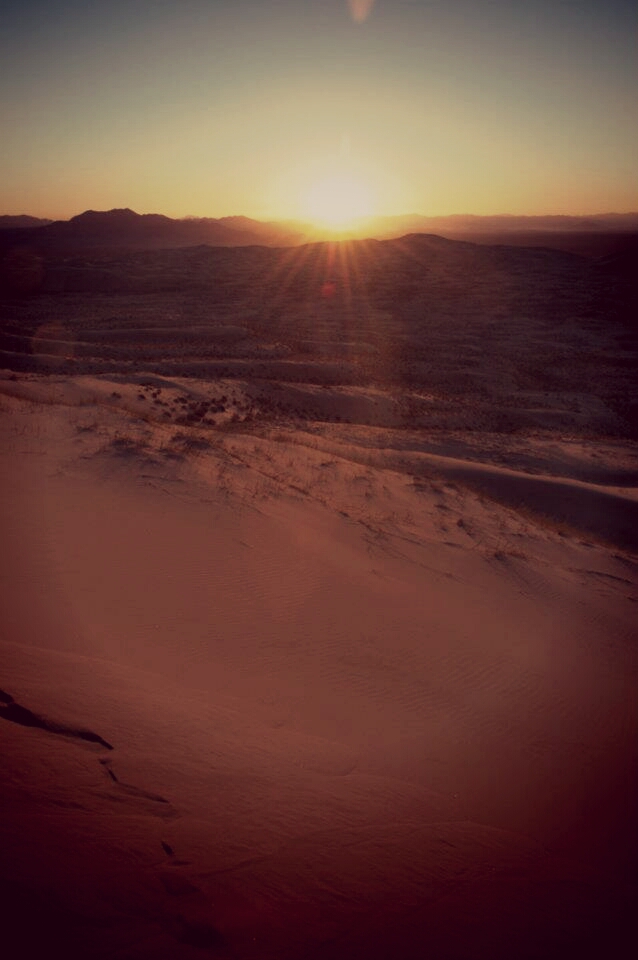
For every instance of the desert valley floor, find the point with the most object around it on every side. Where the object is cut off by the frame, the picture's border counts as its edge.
(319, 605)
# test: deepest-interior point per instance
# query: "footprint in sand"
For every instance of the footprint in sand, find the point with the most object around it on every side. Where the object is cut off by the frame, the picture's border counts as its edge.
(129, 788)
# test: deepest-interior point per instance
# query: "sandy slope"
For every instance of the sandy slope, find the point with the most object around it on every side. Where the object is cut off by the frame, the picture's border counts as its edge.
(325, 692)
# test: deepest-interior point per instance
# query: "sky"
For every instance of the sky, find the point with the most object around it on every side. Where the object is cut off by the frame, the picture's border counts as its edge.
(290, 108)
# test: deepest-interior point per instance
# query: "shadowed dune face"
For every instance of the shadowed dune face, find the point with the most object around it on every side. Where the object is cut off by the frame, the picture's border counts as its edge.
(16, 713)
(318, 592)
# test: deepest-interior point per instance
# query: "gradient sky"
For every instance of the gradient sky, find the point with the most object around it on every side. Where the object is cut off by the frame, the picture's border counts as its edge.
(218, 107)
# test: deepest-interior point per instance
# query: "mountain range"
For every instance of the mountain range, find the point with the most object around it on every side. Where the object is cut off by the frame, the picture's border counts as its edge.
(123, 229)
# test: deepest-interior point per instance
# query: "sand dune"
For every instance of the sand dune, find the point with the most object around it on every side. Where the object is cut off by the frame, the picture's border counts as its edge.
(342, 697)
(318, 592)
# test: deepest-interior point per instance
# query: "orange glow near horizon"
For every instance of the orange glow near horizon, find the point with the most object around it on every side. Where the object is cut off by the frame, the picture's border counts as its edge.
(224, 109)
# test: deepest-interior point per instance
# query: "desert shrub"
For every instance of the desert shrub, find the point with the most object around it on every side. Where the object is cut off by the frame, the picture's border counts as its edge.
(123, 444)
(188, 441)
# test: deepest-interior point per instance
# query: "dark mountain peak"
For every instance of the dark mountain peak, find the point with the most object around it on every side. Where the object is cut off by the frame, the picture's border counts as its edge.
(240, 221)
(22, 222)
(123, 228)
(119, 216)
(121, 223)
(118, 213)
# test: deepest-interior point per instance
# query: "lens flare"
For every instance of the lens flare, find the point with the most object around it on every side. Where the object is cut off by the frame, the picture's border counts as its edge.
(360, 9)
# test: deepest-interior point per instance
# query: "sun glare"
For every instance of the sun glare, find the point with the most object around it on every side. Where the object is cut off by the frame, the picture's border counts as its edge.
(338, 201)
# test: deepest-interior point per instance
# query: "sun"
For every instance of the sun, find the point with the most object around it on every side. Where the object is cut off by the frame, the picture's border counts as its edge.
(338, 201)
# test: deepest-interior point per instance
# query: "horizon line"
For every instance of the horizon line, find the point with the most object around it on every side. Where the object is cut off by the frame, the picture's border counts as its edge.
(293, 219)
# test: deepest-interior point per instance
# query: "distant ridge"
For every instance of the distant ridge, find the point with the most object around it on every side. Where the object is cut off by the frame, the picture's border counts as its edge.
(123, 229)
(510, 223)
(593, 236)
(477, 228)
(21, 222)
